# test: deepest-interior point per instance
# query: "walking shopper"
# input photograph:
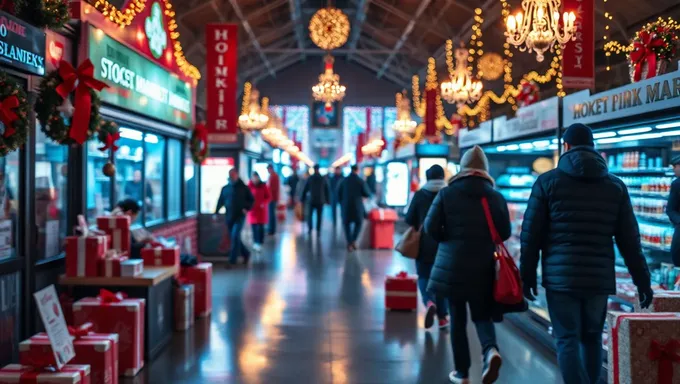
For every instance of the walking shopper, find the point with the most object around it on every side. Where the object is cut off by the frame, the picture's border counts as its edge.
(257, 216)
(673, 211)
(292, 182)
(572, 215)
(334, 182)
(415, 216)
(274, 185)
(464, 268)
(237, 200)
(351, 192)
(316, 194)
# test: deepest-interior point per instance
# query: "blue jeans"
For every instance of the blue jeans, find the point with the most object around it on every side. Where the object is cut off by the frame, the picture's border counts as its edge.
(486, 332)
(258, 233)
(424, 270)
(237, 248)
(334, 211)
(272, 218)
(352, 230)
(578, 321)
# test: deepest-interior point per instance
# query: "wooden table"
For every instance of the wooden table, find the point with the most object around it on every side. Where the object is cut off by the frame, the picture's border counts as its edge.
(154, 285)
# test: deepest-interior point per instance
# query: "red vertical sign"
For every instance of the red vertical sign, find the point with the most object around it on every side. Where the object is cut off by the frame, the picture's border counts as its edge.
(221, 81)
(578, 56)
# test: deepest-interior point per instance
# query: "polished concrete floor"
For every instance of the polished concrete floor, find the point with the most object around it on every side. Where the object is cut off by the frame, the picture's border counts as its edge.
(309, 312)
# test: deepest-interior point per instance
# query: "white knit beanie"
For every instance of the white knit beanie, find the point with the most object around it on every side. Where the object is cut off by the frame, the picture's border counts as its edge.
(474, 159)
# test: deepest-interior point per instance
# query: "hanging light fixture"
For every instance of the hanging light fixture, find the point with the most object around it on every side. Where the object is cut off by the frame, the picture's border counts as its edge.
(329, 28)
(329, 89)
(540, 29)
(461, 88)
(251, 118)
(404, 123)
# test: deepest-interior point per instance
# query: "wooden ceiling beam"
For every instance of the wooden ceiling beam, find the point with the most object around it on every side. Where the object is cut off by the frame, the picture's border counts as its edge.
(296, 18)
(249, 31)
(362, 7)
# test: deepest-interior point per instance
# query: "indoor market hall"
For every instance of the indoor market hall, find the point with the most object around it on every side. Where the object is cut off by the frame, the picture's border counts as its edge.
(339, 191)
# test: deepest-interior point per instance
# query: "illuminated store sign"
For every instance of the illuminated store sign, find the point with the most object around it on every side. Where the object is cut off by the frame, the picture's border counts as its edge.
(137, 83)
(21, 45)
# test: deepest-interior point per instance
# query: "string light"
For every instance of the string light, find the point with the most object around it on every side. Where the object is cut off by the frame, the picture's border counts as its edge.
(618, 48)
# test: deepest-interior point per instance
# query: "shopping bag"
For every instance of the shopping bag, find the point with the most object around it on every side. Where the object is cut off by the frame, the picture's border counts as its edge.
(508, 285)
(409, 244)
(299, 212)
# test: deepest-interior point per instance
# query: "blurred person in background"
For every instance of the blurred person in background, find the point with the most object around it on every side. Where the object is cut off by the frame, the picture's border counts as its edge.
(293, 182)
(237, 199)
(274, 185)
(351, 192)
(257, 216)
(316, 194)
(415, 217)
(135, 190)
(673, 211)
(334, 181)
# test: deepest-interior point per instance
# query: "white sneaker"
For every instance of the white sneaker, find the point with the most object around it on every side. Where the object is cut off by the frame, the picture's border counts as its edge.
(456, 379)
(257, 247)
(492, 366)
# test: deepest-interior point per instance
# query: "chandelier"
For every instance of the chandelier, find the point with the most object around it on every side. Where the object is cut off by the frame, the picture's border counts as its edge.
(251, 118)
(329, 89)
(404, 123)
(329, 28)
(461, 88)
(539, 31)
(373, 148)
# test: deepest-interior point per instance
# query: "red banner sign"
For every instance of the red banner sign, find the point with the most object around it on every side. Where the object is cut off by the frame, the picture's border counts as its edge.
(578, 57)
(221, 82)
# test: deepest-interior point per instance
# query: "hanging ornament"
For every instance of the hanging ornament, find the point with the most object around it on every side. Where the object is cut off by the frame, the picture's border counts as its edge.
(529, 93)
(108, 135)
(109, 169)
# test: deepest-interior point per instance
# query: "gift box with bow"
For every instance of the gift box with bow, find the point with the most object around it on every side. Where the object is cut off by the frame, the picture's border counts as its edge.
(401, 292)
(114, 313)
(99, 351)
(160, 256)
(131, 267)
(118, 227)
(83, 254)
(644, 348)
(664, 301)
(200, 275)
(184, 305)
(32, 374)
(110, 265)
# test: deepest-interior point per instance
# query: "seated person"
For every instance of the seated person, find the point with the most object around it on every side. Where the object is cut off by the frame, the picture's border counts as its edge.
(139, 237)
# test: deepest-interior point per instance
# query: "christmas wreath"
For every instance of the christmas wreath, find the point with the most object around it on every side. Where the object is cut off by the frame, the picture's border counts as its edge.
(528, 93)
(13, 114)
(60, 120)
(653, 47)
(198, 144)
(52, 14)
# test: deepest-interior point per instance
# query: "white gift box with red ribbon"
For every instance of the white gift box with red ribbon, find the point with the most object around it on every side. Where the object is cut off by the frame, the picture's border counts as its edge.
(83, 254)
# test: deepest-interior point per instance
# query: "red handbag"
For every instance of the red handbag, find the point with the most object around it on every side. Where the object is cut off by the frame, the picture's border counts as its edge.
(508, 285)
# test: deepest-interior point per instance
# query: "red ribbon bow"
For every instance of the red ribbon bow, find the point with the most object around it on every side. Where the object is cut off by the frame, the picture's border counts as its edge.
(7, 116)
(81, 80)
(108, 297)
(81, 331)
(40, 363)
(110, 142)
(666, 355)
(202, 136)
(643, 52)
(402, 275)
(182, 281)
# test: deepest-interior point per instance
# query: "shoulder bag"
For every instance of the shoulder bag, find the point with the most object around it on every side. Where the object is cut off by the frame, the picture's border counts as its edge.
(409, 244)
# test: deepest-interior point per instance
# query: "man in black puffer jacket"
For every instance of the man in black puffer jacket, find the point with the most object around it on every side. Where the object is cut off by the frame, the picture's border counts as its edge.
(573, 215)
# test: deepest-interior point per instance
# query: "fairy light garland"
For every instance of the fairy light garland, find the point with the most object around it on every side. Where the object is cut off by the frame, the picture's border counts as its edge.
(618, 48)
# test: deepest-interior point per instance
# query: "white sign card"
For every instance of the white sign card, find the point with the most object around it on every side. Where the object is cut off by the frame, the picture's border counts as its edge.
(52, 317)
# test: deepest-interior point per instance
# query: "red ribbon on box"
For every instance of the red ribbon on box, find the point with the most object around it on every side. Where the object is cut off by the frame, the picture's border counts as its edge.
(402, 275)
(82, 81)
(643, 52)
(81, 331)
(7, 116)
(666, 355)
(108, 297)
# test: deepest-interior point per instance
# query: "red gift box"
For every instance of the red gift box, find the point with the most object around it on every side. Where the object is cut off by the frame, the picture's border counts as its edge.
(184, 307)
(663, 301)
(111, 313)
(401, 292)
(83, 254)
(159, 256)
(99, 351)
(200, 276)
(111, 266)
(26, 374)
(118, 227)
(66, 303)
(382, 228)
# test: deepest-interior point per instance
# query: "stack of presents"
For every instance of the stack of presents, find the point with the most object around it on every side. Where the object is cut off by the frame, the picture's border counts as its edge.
(107, 331)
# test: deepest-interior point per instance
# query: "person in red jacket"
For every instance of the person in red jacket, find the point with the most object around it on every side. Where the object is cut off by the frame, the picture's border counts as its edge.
(257, 216)
(275, 190)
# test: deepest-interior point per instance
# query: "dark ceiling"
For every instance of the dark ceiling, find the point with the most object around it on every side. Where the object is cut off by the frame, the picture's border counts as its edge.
(392, 38)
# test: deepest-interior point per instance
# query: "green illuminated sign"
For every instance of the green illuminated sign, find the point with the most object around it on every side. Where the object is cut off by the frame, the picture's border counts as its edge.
(138, 84)
(155, 31)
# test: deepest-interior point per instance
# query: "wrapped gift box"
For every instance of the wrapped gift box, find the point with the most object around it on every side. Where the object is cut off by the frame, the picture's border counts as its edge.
(66, 302)
(160, 256)
(111, 266)
(83, 254)
(26, 374)
(99, 351)
(184, 307)
(664, 301)
(200, 276)
(118, 227)
(131, 267)
(113, 314)
(401, 292)
(641, 348)
(382, 228)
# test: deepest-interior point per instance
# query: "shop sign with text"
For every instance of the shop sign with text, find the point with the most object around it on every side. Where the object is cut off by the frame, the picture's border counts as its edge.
(58, 48)
(22, 46)
(138, 84)
(221, 82)
(535, 118)
(655, 94)
(578, 63)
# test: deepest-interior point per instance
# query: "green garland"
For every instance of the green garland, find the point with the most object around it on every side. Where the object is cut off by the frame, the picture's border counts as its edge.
(195, 147)
(9, 87)
(106, 128)
(52, 123)
(52, 14)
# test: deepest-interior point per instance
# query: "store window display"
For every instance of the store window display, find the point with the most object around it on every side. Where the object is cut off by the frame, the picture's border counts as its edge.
(190, 184)
(154, 168)
(98, 185)
(9, 204)
(129, 160)
(174, 179)
(51, 195)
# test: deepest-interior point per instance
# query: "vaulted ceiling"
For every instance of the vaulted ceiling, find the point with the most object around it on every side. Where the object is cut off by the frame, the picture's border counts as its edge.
(393, 38)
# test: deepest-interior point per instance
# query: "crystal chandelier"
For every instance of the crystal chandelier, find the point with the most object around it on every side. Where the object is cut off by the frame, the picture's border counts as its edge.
(461, 88)
(251, 118)
(373, 148)
(329, 89)
(539, 31)
(404, 123)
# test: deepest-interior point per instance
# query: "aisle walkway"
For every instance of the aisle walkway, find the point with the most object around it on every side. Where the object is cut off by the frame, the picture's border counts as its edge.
(311, 313)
